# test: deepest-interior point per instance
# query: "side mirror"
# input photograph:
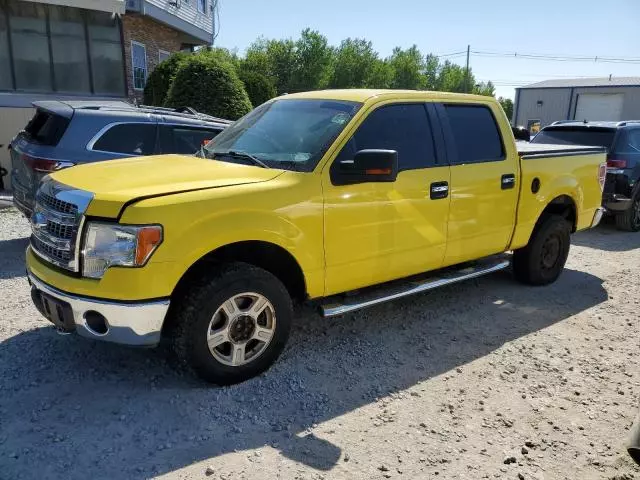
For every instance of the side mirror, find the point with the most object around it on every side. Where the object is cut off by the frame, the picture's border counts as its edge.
(367, 166)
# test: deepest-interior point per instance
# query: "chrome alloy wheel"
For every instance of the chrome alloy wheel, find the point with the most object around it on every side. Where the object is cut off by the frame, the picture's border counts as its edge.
(241, 329)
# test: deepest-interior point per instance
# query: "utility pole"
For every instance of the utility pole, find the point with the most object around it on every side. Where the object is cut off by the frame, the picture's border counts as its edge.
(466, 71)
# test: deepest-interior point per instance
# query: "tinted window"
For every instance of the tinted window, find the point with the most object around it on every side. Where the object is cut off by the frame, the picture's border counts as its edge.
(475, 133)
(185, 140)
(628, 141)
(132, 139)
(404, 128)
(46, 128)
(601, 137)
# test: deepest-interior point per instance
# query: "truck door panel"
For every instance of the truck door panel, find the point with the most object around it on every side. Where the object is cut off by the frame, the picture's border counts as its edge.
(484, 183)
(375, 232)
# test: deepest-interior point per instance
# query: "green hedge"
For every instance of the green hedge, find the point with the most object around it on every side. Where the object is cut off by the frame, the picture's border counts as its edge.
(210, 86)
(159, 81)
(258, 87)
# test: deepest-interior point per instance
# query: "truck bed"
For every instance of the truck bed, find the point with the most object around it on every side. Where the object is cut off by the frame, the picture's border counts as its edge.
(542, 150)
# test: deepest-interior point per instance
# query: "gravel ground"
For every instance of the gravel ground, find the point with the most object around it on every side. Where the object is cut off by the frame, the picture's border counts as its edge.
(486, 379)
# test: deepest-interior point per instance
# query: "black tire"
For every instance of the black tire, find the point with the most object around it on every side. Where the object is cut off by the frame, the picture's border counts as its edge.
(205, 295)
(629, 220)
(541, 262)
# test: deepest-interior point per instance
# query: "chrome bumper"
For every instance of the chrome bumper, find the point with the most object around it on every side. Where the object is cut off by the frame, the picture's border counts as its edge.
(597, 217)
(135, 323)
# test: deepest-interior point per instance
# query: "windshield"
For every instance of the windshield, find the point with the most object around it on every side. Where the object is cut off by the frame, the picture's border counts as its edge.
(600, 137)
(288, 134)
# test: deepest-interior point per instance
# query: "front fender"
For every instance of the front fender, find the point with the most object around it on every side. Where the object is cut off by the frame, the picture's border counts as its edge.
(197, 223)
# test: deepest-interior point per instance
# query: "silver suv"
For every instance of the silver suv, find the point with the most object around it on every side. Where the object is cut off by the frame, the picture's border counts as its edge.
(66, 133)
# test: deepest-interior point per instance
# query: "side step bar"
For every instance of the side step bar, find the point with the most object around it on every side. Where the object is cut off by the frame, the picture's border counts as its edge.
(341, 304)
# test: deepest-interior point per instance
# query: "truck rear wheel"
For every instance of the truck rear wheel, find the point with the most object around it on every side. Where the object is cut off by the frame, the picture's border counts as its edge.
(541, 262)
(233, 324)
(629, 220)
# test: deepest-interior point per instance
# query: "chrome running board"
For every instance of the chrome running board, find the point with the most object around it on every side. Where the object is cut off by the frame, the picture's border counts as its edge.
(341, 304)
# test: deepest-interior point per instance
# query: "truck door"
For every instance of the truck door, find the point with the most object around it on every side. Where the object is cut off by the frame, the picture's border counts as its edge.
(484, 185)
(375, 232)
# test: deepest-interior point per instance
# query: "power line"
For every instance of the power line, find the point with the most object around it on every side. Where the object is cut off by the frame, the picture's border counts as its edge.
(558, 58)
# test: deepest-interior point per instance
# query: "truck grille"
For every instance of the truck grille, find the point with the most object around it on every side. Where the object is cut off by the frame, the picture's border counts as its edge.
(56, 223)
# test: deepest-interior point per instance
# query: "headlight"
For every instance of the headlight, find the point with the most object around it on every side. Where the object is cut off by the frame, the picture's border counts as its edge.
(109, 245)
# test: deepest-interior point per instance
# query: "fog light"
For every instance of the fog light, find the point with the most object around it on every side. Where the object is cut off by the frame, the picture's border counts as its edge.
(96, 322)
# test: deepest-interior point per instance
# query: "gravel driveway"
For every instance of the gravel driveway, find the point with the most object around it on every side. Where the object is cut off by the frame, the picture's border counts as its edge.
(485, 379)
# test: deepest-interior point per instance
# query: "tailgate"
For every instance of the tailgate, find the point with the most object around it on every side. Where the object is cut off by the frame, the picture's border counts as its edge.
(558, 173)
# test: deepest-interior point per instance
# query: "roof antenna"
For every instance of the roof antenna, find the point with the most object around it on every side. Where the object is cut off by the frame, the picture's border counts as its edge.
(610, 77)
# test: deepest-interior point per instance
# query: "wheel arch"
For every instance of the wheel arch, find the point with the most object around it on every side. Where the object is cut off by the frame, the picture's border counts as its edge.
(563, 205)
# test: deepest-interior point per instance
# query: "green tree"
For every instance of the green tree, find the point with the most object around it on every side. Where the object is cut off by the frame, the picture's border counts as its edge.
(356, 65)
(484, 88)
(431, 70)
(451, 78)
(314, 59)
(258, 86)
(408, 68)
(210, 86)
(507, 106)
(159, 81)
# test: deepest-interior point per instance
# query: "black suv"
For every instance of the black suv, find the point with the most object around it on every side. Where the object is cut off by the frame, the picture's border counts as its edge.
(622, 139)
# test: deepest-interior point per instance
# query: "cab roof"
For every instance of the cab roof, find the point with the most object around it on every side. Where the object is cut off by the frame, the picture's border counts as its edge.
(362, 95)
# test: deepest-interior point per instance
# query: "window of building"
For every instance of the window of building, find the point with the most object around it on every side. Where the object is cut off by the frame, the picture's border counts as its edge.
(129, 139)
(69, 50)
(475, 133)
(404, 128)
(202, 6)
(106, 54)
(163, 55)
(139, 64)
(30, 45)
(6, 82)
(48, 48)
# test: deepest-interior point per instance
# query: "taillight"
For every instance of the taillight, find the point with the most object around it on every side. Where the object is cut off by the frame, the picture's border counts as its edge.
(611, 163)
(602, 175)
(44, 165)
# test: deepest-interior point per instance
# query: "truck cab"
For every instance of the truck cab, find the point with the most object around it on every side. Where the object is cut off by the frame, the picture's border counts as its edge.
(370, 193)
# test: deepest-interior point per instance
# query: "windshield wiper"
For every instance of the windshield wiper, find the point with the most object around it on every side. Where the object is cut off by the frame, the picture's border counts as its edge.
(244, 155)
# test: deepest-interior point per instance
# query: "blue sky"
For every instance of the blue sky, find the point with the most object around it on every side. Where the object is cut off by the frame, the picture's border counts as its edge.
(560, 27)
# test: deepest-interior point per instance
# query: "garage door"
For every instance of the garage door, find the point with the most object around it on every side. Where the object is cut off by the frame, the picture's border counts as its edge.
(599, 106)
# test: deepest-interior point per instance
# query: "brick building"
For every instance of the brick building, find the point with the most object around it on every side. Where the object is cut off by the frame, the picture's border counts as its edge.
(87, 49)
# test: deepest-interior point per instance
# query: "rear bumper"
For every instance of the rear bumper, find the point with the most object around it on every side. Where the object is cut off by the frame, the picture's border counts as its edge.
(617, 203)
(128, 323)
(22, 197)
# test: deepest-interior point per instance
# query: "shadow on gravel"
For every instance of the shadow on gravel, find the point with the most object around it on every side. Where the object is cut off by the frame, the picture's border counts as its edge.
(12, 263)
(74, 409)
(607, 237)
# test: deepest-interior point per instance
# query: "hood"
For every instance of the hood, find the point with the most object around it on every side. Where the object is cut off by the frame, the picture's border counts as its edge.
(116, 182)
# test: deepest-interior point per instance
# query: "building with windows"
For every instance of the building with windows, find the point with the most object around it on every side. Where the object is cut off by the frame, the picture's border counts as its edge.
(87, 49)
(607, 98)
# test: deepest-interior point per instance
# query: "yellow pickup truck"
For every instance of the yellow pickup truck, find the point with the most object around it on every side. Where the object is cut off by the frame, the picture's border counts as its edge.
(343, 198)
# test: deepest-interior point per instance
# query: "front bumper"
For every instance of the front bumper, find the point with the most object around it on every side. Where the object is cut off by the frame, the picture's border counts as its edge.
(127, 323)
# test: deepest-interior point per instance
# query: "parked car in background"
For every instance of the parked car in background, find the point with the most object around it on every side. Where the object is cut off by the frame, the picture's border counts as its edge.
(66, 133)
(622, 140)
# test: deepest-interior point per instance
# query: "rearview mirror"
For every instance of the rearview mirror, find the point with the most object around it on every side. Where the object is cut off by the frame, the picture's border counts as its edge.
(371, 165)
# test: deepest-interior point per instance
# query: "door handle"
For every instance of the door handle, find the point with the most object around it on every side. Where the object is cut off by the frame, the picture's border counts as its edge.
(439, 190)
(508, 181)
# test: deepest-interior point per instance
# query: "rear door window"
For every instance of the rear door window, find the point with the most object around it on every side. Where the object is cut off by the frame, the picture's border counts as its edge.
(404, 128)
(185, 140)
(590, 136)
(475, 134)
(128, 139)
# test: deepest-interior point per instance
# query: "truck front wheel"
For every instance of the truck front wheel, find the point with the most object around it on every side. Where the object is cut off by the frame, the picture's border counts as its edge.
(542, 260)
(232, 324)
